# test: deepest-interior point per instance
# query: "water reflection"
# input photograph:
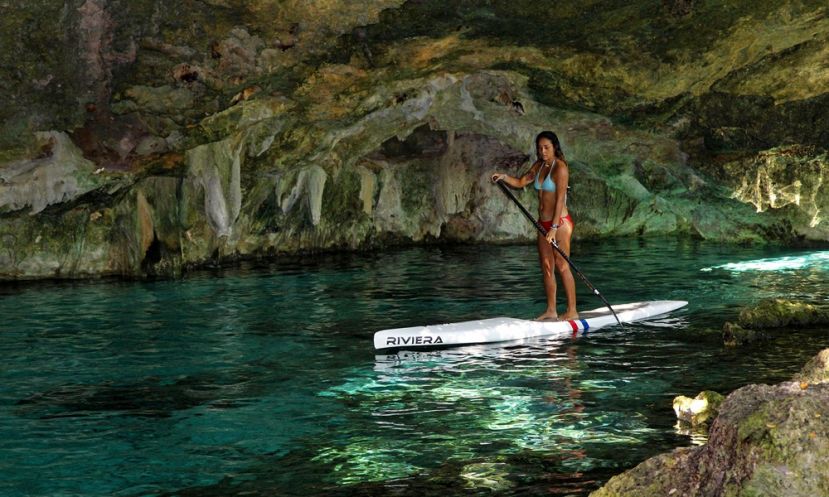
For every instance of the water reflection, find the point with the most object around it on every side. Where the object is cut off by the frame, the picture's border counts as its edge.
(696, 435)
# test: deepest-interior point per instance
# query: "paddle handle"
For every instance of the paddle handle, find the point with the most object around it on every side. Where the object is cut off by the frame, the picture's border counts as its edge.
(543, 232)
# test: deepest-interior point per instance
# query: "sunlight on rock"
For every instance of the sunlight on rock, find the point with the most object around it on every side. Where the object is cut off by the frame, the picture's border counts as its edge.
(697, 411)
(786, 176)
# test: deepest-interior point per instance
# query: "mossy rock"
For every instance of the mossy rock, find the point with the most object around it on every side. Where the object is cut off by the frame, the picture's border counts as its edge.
(816, 370)
(781, 313)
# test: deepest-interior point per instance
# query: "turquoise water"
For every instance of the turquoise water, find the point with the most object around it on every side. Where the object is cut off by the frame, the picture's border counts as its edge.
(261, 380)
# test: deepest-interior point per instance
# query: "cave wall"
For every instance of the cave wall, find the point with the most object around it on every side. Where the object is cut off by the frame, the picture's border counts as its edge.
(146, 137)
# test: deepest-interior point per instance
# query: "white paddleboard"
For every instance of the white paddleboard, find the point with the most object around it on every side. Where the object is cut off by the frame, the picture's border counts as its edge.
(503, 329)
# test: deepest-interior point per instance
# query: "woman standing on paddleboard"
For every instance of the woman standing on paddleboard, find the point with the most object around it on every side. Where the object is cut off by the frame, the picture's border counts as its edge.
(550, 174)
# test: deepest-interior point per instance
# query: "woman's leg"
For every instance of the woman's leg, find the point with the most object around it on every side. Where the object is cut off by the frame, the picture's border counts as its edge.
(547, 260)
(563, 236)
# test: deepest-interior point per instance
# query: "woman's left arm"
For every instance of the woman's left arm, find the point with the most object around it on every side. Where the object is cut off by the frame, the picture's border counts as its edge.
(561, 176)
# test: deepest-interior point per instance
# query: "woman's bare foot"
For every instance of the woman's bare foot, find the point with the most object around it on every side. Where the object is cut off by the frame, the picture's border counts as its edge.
(548, 316)
(567, 316)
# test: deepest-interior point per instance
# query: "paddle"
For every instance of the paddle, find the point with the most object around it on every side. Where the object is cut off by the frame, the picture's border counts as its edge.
(555, 246)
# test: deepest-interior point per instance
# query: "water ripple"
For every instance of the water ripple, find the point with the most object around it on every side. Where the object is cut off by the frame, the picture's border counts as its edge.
(262, 379)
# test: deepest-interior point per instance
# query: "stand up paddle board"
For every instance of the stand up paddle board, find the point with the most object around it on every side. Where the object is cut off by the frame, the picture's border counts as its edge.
(504, 329)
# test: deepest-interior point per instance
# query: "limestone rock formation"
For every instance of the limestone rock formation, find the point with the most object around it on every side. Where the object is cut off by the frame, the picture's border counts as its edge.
(58, 174)
(192, 133)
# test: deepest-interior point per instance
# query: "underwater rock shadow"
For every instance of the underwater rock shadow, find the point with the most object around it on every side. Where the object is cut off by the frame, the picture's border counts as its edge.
(150, 398)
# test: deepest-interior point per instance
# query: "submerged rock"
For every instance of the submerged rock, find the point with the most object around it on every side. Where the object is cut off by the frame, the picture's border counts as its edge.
(766, 440)
(488, 476)
(733, 335)
(150, 397)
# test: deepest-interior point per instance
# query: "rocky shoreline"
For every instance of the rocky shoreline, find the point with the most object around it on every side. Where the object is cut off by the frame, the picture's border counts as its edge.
(764, 440)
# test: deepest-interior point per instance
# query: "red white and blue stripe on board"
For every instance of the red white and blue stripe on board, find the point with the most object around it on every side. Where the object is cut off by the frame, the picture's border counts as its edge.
(574, 324)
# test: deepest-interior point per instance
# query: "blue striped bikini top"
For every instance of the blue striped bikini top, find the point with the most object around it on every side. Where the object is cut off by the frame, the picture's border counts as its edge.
(548, 185)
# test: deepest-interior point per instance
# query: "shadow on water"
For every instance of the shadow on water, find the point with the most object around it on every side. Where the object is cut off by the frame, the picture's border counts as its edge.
(261, 380)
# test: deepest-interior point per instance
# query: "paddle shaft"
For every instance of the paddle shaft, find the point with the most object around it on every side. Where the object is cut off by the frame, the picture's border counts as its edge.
(543, 232)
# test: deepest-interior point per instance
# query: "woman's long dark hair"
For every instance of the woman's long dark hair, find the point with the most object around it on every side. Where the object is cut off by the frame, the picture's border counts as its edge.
(553, 139)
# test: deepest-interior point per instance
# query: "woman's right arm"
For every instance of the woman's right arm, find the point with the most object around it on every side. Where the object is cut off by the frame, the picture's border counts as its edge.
(519, 182)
